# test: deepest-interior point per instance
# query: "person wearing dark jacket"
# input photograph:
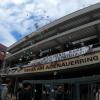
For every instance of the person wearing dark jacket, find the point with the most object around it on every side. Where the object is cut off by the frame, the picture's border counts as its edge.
(26, 93)
(60, 93)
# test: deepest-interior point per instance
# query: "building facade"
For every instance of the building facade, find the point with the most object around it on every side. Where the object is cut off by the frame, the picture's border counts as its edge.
(2, 54)
(62, 57)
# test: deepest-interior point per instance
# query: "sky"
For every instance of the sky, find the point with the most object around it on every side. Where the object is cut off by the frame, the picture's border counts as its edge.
(19, 18)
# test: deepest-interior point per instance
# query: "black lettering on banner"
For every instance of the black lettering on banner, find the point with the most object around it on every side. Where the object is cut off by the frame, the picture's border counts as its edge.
(47, 67)
(40, 67)
(82, 61)
(89, 59)
(59, 65)
(33, 68)
(64, 64)
(72, 63)
(95, 58)
(52, 65)
(64, 56)
(69, 62)
(77, 61)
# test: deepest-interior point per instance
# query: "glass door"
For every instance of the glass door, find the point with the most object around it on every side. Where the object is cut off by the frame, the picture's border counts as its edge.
(58, 92)
(46, 91)
(90, 91)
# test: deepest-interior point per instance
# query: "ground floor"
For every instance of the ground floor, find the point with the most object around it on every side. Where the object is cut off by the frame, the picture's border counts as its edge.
(72, 84)
(81, 88)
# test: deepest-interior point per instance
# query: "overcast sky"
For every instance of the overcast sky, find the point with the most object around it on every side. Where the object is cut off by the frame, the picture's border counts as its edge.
(19, 17)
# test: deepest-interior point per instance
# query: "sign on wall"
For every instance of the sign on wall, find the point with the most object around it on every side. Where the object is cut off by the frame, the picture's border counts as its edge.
(65, 64)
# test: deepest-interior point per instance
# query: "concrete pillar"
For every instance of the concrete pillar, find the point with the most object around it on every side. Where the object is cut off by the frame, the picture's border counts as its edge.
(77, 91)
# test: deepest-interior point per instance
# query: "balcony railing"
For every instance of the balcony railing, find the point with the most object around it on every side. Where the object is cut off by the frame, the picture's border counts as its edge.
(83, 51)
(65, 55)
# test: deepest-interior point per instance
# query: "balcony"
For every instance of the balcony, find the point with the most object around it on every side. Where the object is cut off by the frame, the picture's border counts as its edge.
(87, 57)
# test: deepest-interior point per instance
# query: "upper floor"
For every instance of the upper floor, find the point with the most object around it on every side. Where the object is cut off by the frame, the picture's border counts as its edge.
(72, 36)
(64, 25)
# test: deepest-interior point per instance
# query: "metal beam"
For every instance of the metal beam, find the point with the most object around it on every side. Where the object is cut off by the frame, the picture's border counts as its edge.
(57, 36)
(88, 79)
(97, 32)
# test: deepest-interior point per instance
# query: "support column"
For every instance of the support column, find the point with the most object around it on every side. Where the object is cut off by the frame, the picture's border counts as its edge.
(4, 64)
(97, 32)
(16, 84)
(99, 37)
(77, 91)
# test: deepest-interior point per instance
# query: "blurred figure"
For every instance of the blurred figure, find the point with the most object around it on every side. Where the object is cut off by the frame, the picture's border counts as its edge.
(4, 90)
(60, 93)
(0, 88)
(20, 88)
(98, 94)
(26, 93)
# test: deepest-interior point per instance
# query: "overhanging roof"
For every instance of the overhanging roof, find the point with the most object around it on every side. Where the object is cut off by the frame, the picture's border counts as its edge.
(62, 20)
(78, 33)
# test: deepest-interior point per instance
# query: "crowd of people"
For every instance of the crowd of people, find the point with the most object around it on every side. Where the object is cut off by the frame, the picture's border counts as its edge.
(24, 91)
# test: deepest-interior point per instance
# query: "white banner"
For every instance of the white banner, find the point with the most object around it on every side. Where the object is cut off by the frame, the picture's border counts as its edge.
(62, 56)
(75, 62)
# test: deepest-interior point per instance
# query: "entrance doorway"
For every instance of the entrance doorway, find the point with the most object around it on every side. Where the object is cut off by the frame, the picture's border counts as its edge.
(55, 91)
(84, 88)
